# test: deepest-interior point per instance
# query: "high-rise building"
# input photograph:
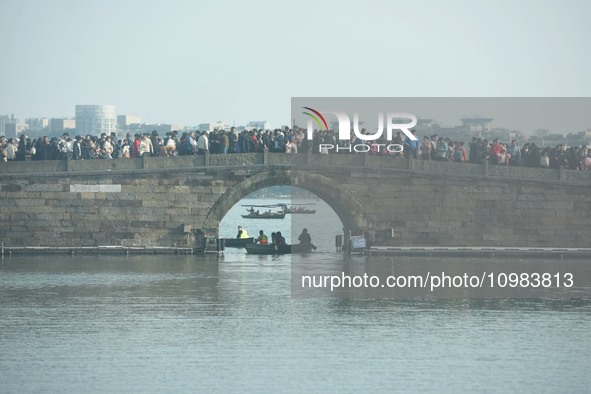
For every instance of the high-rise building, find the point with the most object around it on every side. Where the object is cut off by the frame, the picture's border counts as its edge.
(4, 120)
(96, 119)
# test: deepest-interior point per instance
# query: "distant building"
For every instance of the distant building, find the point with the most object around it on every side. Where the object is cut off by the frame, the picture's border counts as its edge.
(425, 126)
(219, 125)
(476, 124)
(61, 125)
(126, 122)
(5, 119)
(37, 124)
(96, 119)
(258, 124)
(161, 129)
(13, 130)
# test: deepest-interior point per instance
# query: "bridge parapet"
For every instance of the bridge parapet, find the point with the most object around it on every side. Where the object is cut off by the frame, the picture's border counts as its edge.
(320, 161)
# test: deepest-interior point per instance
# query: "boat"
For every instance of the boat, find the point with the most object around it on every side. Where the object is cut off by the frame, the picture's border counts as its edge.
(277, 249)
(264, 215)
(236, 242)
(293, 210)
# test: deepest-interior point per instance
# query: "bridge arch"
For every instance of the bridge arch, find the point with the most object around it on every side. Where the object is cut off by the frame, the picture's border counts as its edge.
(345, 205)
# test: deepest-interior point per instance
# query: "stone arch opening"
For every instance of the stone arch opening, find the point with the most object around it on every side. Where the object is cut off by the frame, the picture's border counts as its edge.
(346, 207)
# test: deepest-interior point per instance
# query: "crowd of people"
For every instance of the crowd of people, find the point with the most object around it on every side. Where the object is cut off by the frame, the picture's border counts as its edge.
(276, 238)
(288, 140)
(529, 154)
(174, 143)
(263, 239)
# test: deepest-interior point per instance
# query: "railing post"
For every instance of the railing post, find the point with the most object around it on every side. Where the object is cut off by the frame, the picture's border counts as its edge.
(411, 163)
(485, 167)
(561, 173)
(144, 161)
(206, 156)
(265, 156)
(68, 166)
(309, 155)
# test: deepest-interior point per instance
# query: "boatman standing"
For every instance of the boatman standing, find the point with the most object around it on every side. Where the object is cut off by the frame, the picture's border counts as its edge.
(241, 233)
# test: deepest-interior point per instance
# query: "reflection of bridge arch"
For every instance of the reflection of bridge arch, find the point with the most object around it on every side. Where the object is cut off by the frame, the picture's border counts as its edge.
(345, 205)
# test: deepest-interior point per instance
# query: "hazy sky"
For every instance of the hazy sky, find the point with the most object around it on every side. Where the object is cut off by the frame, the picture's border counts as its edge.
(189, 62)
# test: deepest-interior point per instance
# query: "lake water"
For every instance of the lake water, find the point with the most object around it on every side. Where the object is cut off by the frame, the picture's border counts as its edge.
(165, 323)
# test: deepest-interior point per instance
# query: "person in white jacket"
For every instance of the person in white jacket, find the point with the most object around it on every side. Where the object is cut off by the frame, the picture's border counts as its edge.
(11, 148)
(203, 143)
(145, 146)
(108, 148)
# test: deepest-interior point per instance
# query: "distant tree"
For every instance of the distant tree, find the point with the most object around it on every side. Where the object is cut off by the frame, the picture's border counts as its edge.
(554, 136)
(542, 133)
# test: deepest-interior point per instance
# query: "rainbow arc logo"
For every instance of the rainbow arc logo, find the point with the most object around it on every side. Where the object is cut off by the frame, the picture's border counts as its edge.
(317, 116)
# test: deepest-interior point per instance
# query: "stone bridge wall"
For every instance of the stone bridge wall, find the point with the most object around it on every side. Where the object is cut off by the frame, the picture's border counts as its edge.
(157, 201)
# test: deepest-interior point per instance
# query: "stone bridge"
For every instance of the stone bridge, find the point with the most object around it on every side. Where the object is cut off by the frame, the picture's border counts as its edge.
(158, 201)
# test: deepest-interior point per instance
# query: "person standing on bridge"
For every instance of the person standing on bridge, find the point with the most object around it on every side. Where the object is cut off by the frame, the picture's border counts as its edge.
(224, 142)
(411, 147)
(146, 148)
(203, 143)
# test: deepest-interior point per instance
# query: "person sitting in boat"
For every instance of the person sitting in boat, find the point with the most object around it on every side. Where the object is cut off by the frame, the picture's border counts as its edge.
(305, 238)
(251, 210)
(241, 233)
(273, 237)
(262, 239)
(279, 240)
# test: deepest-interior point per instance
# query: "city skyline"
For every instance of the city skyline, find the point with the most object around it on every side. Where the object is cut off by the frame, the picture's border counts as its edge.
(574, 119)
(20, 120)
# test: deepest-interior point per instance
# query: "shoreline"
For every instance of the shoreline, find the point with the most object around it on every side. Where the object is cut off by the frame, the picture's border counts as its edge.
(484, 251)
(80, 250)
(406, 251)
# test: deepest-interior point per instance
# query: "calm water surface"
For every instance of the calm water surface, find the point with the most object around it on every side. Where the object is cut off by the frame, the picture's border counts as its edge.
(140, 324)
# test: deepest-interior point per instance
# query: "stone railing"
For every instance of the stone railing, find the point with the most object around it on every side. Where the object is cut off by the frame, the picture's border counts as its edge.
(54, 167)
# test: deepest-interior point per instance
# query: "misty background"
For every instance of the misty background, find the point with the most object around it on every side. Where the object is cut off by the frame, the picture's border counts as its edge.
(188, 62)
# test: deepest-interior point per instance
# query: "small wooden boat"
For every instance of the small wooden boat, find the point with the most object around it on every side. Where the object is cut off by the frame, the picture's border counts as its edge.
(277, 249)
(264, 215)
(237, 242)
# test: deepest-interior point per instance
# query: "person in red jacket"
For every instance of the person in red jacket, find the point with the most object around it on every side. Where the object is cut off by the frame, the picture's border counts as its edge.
(495, 152)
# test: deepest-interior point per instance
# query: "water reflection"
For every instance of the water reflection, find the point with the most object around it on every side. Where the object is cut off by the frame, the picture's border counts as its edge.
(190, 323)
